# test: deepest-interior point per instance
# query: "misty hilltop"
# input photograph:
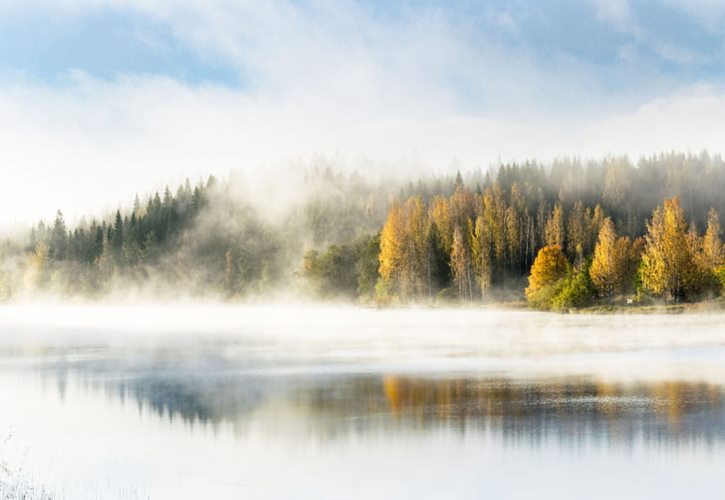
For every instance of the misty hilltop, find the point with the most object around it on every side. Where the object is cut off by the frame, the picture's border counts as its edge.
(568, 234)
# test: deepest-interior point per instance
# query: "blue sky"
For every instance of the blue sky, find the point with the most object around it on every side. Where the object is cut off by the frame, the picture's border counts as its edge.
(622, 49)
(129, 93)
(104, 43)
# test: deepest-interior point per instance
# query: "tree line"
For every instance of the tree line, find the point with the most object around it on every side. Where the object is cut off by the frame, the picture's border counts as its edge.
(472, 246)
(560, 235)
(672, 261)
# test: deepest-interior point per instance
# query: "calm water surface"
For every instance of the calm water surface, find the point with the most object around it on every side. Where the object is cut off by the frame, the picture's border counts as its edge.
(303, 403)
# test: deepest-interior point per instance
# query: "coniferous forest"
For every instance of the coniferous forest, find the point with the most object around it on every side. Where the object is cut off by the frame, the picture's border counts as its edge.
(562, 235)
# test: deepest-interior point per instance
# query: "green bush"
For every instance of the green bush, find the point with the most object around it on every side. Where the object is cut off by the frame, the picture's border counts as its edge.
(576, 291)
(720, 275)
(544, 297)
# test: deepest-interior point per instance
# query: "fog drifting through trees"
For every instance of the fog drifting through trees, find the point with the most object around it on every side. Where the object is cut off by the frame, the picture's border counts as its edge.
(568, 234)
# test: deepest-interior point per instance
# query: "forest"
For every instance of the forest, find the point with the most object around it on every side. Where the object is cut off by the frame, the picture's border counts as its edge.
(563, 235)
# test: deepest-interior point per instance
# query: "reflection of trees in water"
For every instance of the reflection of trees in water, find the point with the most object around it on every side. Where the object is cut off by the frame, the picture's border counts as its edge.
(196, 388)
(571, 409)
(328, 405)
(188, 399)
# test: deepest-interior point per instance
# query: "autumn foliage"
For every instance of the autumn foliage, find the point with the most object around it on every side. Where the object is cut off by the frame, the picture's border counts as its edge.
(611, 272)
(548, 273)
(549, 267)
(468, 244)
(620, 229)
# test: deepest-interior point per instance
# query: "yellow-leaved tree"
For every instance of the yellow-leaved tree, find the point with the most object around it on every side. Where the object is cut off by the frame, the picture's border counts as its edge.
(608, 271)
(712, 247)
(405, 251)
(390, 252)
(667, 262)
(461, 264)
(549, 268)
(555, 230)
(481, 255)
(416, 251)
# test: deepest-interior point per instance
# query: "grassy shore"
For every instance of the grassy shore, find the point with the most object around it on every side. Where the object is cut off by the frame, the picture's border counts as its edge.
(707, 306)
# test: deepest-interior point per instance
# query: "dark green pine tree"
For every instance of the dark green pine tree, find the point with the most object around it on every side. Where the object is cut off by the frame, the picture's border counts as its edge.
(117, 234)
(459, 179)
(58, 238)
(97, 248)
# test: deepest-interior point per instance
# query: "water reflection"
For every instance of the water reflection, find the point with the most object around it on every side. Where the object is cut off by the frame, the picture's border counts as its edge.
(329, 404)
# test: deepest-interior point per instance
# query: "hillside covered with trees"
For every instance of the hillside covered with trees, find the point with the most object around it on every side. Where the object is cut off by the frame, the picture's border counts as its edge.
(563, 235)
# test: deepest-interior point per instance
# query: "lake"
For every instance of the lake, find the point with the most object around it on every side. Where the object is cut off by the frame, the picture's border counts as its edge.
(211, 402)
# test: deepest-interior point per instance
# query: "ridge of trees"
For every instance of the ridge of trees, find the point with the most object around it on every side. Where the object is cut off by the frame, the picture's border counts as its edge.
(575, 248)
(609, 231)
(488, 241)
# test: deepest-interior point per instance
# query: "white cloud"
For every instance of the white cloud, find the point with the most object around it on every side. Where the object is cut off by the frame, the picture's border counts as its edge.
(709, 13)
(616, 12)
(690, 120)
(92, 143)
(330, 81)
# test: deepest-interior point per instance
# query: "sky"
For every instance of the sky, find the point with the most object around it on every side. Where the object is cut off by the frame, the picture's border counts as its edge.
(103, 99)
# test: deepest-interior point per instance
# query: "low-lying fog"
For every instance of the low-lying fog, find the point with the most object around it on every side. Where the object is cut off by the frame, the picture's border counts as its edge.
(305, 401)
(314, 337)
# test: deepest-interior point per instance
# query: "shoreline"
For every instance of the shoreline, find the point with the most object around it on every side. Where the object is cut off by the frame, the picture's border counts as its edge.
(706, 306)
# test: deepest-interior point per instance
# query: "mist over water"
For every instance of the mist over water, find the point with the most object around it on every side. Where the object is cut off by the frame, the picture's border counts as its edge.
(294, 250)
(274, 401)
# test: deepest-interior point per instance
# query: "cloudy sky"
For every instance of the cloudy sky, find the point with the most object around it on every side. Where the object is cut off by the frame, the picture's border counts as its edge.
(100, 99)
